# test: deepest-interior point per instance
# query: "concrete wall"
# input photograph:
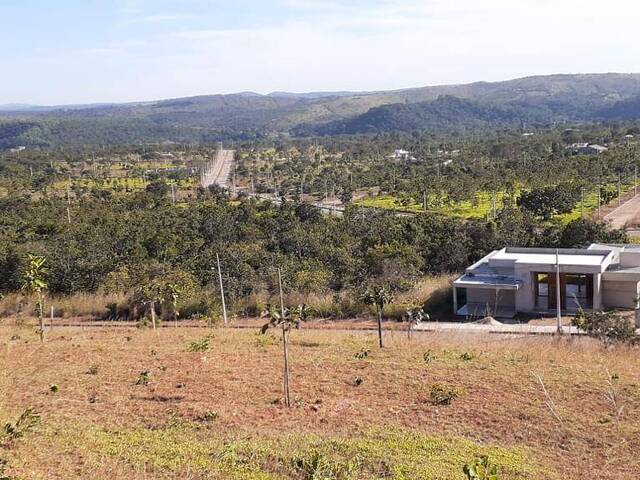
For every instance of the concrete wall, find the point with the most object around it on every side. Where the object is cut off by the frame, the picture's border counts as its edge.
(630, 259)
(525, 296)
(484, 296)
(616, 294)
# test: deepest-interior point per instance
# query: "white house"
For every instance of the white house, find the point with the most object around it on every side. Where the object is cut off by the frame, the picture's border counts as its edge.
(514, 280)
(586, 149)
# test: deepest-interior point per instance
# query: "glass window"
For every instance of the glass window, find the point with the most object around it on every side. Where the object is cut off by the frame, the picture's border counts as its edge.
(579, 290)
(542, 290)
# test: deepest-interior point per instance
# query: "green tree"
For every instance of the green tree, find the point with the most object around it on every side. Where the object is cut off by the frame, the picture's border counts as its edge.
(286, 318)
(34, 283)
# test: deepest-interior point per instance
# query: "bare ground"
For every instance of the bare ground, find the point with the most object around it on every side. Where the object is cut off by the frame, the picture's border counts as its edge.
(587, 427)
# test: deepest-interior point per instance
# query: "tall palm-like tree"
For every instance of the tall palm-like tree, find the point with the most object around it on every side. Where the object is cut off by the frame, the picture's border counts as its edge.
(378, 296)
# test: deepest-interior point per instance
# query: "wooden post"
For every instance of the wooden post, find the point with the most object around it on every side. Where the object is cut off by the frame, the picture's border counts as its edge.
(379, 325)
(51, 318)
(153, 315)
(224, 304)
(287, 399)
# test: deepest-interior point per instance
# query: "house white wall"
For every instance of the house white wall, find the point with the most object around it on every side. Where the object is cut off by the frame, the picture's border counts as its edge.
(619, 294)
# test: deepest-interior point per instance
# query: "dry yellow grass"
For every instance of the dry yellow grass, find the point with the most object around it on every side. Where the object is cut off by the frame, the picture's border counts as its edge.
(103, 425)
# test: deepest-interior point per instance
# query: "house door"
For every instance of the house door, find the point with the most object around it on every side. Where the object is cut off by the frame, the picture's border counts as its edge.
(553, 291)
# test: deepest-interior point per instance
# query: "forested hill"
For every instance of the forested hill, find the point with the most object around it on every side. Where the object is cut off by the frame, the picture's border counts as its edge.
(531, 101)
(445, 113)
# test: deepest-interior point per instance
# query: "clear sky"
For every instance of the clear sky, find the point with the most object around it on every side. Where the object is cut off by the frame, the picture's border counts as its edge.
(82, 51)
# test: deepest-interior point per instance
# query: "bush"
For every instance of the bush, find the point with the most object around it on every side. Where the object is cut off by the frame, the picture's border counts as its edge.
(442, 394)
(610, 327)
(25, 423)
(201, 345)
(481, 469)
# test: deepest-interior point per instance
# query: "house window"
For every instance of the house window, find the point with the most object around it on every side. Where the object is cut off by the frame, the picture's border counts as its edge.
(579, 290)
(542, 290)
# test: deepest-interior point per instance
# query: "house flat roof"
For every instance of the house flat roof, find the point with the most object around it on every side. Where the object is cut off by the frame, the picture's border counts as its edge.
(487, 281)
(547, 256)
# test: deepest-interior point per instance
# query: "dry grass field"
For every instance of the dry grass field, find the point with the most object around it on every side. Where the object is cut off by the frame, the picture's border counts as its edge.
(359, 413)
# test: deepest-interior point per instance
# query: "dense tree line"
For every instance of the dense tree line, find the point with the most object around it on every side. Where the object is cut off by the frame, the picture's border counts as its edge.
(120, 242)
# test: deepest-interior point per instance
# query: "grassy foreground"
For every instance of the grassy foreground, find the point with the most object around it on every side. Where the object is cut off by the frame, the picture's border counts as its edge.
(208, 406)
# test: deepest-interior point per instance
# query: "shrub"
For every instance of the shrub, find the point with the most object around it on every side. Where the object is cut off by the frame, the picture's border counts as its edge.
(201, 345)
(208, 416)
(481, 469)
(144, 378)
(442, 394)
(264, 341)
(315, 465)
(362, 354)
(428, 356)
(25, 423)
(466, 356)
(609, 327)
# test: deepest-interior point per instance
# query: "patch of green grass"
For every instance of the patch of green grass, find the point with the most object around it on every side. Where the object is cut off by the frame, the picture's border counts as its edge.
(480, 208)
(398, 454)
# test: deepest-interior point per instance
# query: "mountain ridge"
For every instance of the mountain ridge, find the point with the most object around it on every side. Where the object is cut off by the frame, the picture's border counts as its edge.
(536, 99)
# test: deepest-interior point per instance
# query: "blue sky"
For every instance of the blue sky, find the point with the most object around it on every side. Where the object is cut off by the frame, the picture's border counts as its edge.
(82, 51)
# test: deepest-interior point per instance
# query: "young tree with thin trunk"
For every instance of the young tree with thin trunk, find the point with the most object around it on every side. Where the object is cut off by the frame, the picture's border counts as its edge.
(286, 318)
(378, 296)
(172, 296)
(34, 283)
(415, 316)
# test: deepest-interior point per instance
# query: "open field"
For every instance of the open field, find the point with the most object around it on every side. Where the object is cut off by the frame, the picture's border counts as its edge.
(216, 413)
(463, 209)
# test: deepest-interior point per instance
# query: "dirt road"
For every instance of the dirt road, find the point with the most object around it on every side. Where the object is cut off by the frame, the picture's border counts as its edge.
(625, 214)
(217, 170)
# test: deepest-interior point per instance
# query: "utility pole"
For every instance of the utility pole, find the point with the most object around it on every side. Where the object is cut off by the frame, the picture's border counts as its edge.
(69, 201)
(424, 200)
(558, 295)
(224, 305)
(619, 190)
(599, 198)
(582, 202)
(635, 180)
(173, 194)
(493, 204)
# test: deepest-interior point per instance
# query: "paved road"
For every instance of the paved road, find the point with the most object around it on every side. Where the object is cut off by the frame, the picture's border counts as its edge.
(625, 213)
(217, 170)
(503, 328)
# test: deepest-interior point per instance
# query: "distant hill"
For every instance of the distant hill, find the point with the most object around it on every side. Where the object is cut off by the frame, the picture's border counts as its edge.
(444, 113)
(623, 110)
(532, 100)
